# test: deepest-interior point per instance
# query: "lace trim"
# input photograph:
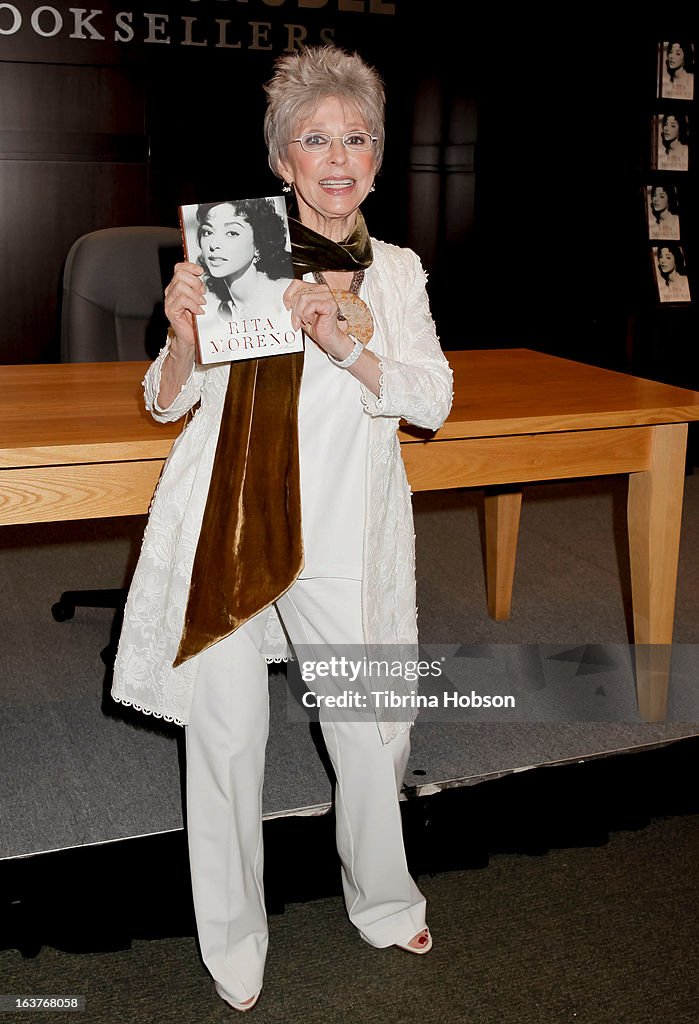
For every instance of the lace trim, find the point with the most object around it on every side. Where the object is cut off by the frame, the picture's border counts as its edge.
(147, 711)
(391, 730)
(374, 403)
(172, 718)
(148, 398)
(388, 730)
(155, 406)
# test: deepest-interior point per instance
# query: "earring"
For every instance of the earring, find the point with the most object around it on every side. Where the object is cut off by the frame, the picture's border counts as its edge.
(286, 187)
(373, 187)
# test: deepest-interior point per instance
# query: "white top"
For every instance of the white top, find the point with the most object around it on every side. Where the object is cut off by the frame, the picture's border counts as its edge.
(333, 437)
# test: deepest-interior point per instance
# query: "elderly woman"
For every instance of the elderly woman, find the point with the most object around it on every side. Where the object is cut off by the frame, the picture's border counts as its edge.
(284, 512)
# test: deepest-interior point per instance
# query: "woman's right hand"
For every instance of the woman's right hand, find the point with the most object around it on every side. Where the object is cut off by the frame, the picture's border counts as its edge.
(184, 299)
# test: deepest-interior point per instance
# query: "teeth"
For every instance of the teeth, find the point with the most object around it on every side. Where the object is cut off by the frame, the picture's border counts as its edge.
(335, 183)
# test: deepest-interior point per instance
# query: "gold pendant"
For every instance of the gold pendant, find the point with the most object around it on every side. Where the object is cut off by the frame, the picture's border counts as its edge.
(360, 323)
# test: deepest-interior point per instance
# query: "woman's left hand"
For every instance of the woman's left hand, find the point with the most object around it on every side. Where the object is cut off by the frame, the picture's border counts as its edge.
(314, 310)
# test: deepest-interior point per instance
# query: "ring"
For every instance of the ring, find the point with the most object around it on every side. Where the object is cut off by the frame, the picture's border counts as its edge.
(306, 291)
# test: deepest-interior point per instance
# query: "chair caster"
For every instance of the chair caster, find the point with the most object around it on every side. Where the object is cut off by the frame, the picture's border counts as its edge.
(62, 611)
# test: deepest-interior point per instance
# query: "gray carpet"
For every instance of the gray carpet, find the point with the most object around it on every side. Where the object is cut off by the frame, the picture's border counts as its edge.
(72, 771)
(604, 935)
(581, 935)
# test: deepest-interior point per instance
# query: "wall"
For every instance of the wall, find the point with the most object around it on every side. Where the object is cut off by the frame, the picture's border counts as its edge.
(562, 256)
(516, 151)
(116, 117)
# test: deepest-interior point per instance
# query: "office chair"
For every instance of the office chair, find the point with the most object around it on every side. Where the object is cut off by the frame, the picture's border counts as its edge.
(112, 310)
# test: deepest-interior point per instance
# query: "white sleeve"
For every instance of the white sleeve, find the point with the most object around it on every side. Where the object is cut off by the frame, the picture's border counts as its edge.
(189, 395)
(418, 386)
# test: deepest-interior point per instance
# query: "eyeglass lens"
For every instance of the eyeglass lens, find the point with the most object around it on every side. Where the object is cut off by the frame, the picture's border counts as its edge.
(314, 142)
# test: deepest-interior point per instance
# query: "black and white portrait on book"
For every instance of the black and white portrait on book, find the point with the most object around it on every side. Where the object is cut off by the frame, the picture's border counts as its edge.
(244, 250)
(670, 267)
(670, 141)
(663, 210)
(676, 69)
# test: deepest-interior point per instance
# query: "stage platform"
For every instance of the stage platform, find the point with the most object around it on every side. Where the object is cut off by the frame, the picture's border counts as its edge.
(77, 770)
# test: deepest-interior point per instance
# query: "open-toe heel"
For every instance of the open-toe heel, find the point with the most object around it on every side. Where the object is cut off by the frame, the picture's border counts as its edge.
(247, 1005)
(425, 943)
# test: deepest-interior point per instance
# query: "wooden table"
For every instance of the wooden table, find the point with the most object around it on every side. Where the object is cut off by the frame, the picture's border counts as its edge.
(75, 443)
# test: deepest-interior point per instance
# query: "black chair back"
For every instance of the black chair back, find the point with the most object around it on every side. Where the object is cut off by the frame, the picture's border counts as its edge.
(113, 284)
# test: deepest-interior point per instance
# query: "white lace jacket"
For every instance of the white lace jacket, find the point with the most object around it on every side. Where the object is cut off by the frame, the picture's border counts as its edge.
(416, 384)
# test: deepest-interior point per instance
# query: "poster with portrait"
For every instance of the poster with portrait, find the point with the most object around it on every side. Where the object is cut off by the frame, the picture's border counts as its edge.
(662, 200)
(676, 69)
(670, 133)
(244, 250)
(670, 270)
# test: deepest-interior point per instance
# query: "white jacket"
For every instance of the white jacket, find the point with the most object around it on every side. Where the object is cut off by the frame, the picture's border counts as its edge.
(416, 384)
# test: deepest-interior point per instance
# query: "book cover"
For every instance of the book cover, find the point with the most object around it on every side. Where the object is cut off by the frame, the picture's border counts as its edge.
(244, 249)
(671, 278)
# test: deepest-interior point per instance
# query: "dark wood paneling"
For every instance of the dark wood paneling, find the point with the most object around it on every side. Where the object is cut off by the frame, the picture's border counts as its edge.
(67, 98)
(528, 215)
(73, 158)
(45, 207)
(30, 145)
(97, 134)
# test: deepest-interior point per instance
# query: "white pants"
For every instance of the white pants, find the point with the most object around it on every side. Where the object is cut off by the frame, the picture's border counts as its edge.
(226, 739)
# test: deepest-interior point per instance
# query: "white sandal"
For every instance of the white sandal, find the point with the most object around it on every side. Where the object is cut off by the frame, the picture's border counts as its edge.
(247, 1005)
(419, 951)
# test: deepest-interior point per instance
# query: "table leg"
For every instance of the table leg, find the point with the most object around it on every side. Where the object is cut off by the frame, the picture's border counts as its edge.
(502, 509)
(654, 520)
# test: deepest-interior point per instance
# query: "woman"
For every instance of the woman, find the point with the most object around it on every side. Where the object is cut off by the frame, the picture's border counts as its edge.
(678, 72)
(673, 285)
(663, 218)
(673, 150)
(306, 525)
(243, 255)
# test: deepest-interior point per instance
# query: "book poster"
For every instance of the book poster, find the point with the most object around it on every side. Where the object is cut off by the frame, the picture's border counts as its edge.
(670, 266)
(676, 69)
(244, 249)
(663, 210)
(670, 141)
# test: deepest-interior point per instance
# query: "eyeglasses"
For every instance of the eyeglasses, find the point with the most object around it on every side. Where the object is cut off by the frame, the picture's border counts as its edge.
(319, 142)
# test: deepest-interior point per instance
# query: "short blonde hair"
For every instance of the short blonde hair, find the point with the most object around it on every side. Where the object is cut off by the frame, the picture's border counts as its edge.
(300, 83)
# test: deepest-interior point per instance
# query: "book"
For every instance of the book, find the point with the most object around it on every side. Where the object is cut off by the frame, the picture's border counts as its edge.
(244, 249)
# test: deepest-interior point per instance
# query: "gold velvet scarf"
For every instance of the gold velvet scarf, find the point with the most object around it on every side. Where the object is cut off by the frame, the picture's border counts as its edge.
(250, 548)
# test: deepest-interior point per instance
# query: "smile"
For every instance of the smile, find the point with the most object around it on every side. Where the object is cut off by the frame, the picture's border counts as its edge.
(337, 183)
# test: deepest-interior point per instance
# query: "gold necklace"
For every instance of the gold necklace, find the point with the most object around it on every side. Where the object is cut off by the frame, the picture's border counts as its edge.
(351, 308)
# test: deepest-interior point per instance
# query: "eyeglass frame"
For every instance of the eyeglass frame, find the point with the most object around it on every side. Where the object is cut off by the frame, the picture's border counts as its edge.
(332, 138)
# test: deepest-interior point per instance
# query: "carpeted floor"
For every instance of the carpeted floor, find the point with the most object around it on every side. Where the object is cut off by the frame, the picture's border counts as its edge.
(587, 935)
(588, 920)
(75, 769)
